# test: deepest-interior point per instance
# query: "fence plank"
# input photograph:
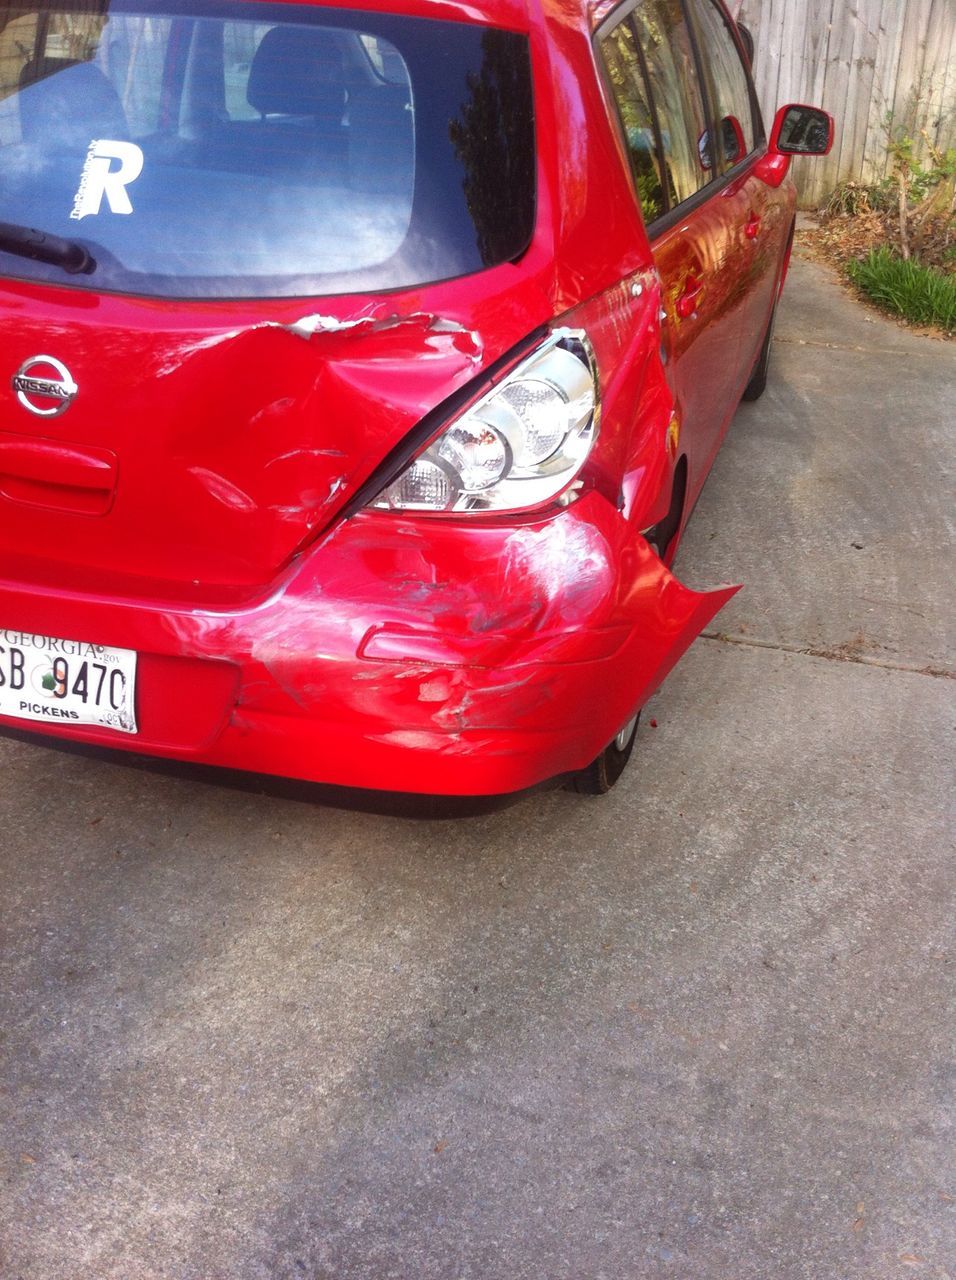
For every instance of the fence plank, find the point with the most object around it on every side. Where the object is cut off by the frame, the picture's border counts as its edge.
(889, 51)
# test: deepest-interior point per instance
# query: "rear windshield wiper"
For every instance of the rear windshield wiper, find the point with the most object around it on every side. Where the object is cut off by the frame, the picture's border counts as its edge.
(43, 247)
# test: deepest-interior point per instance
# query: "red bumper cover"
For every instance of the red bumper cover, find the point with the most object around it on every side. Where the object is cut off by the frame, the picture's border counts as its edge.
(404, 655)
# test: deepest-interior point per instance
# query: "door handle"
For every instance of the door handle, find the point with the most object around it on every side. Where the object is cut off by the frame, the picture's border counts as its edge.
(57, 474)
(687, 302)
(752, 229)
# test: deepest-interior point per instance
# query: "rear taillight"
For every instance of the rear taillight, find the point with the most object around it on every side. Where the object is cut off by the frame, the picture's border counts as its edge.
(521, 445)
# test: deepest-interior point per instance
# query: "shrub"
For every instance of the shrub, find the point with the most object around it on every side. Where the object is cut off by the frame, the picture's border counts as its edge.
(851, 199)
(921, 294)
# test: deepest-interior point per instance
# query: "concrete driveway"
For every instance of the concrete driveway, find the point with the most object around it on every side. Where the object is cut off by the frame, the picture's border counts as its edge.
(699, 1029)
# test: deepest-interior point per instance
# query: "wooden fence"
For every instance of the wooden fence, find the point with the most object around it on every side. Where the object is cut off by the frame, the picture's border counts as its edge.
(865, 61)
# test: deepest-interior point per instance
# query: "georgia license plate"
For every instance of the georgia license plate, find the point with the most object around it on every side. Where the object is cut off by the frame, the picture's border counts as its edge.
(66, 681)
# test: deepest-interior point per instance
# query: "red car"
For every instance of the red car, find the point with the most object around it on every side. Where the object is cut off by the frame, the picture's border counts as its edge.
(361, 367)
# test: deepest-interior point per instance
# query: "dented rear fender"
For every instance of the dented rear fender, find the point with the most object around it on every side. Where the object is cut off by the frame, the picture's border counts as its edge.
(531, 644)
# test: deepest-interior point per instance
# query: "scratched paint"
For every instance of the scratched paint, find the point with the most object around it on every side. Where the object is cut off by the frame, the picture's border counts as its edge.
(310, 327)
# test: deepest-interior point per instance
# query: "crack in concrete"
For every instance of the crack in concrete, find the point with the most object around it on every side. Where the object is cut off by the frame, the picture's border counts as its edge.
(845, 346)
(833, 653)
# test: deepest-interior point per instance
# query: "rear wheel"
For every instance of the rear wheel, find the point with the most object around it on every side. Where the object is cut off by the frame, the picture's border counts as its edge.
(600, 775)
(758, 379)
(661, 536)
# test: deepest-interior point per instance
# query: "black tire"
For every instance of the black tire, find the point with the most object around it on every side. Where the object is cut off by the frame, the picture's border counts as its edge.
(602, 773)
(758, 379)
(661, 536)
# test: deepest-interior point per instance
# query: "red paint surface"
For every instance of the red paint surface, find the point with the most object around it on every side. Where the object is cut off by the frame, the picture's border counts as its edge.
(433, 654)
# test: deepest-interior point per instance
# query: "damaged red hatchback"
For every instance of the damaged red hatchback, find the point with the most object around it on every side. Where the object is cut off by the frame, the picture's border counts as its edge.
(361, 367)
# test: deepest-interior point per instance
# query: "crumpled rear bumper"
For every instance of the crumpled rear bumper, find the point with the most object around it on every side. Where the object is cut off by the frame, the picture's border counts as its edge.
(405, 654)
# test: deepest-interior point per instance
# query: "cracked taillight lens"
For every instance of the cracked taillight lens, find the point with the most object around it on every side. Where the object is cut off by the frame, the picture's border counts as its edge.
(521, 445)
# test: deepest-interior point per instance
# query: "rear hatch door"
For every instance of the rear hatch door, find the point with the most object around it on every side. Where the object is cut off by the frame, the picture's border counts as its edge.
(234, 314)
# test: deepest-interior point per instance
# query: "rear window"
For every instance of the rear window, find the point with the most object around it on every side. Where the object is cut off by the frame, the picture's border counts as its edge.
(257, 150)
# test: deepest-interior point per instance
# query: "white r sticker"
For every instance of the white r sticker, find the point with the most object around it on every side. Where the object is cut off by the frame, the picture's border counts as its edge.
(98, 179)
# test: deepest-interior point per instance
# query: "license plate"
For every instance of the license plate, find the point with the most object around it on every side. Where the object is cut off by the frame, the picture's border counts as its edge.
(66, 681)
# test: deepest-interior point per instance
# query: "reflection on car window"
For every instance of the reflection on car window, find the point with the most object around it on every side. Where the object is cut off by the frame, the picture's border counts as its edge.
(240, 40)
(626, 77)
(675, 88)
(727, 82)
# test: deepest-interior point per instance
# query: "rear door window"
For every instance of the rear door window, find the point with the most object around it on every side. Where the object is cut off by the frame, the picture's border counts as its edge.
(728, 83)
(652, 73)
(675, 88)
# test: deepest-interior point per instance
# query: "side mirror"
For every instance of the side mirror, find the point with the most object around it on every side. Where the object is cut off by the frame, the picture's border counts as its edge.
(704, 153)
(797, 131)
(802, 131)
(732, 141)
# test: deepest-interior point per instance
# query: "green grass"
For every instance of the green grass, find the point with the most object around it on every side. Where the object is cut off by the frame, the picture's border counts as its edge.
(921, 294)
